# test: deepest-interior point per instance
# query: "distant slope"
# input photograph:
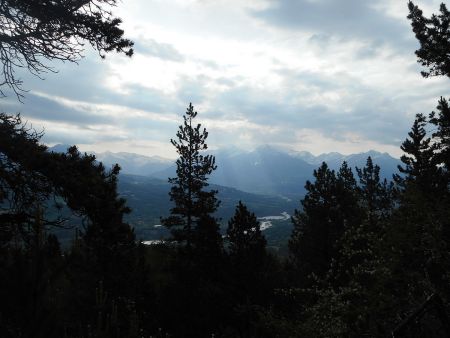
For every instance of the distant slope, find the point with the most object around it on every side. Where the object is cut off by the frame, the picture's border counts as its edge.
(134, 164)
(265, 170)
(149, 199)
(130, 163)
(387, 163)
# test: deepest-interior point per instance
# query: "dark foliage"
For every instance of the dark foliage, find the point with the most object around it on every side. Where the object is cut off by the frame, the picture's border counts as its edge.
(329, 206)
(38, 30)
(246, 241)
(31, 179)
(434, 37)
(420, 167)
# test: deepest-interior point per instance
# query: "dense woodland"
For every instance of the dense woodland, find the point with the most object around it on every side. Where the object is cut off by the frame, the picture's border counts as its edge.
(367, 257)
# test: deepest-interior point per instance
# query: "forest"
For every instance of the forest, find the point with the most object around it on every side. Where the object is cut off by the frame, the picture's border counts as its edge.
(368, 257)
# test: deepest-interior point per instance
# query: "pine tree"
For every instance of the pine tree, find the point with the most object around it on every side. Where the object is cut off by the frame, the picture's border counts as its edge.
(196, 292)
(433, 35)
(433, 222)
(246, 241)
(329, 206)
(249, 262)
(312, 243)
(188, 192)
(441, 137)
(208, 245)
(348, 197)
(376, 195)
(418, 232)
(349, 297)
(419, 168)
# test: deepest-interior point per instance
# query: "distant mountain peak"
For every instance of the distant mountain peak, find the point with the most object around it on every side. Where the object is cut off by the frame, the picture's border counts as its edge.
(270, 148)
(264, 147)
(59, 148)
(228, 151)
(375, 154)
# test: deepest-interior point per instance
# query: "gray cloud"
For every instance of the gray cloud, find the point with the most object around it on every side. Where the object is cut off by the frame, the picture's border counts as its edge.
(55, 137)
(144, 98)
(160, 50)
(83, 81)
(370, 114)
(38, 107)
(349, 19)
(72, 138)
(192, 89)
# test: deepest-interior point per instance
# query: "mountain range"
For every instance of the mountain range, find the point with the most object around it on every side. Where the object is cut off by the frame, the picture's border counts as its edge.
(265, 170)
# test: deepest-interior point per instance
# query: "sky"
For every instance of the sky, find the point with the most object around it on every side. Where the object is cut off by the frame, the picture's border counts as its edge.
(305, 75)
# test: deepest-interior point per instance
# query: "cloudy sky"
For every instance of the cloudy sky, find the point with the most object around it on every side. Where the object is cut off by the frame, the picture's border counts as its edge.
(315, 75)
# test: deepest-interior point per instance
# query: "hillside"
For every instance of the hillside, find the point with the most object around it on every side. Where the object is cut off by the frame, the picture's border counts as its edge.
(149, 200)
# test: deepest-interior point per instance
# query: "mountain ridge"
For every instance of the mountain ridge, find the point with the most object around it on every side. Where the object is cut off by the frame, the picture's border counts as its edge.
(265, 170)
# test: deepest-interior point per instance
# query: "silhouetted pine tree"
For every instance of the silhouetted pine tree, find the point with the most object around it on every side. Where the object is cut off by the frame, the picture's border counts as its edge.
(252, 271)
(416, 239)
(441, 136)
(348, 196)
(434, 37)
(247, 244)
(375, 195)
(196, 297)
(208, 245)
(188, 192)
(419, 169)
(330, 205)
(247, 254)
(311, 245)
